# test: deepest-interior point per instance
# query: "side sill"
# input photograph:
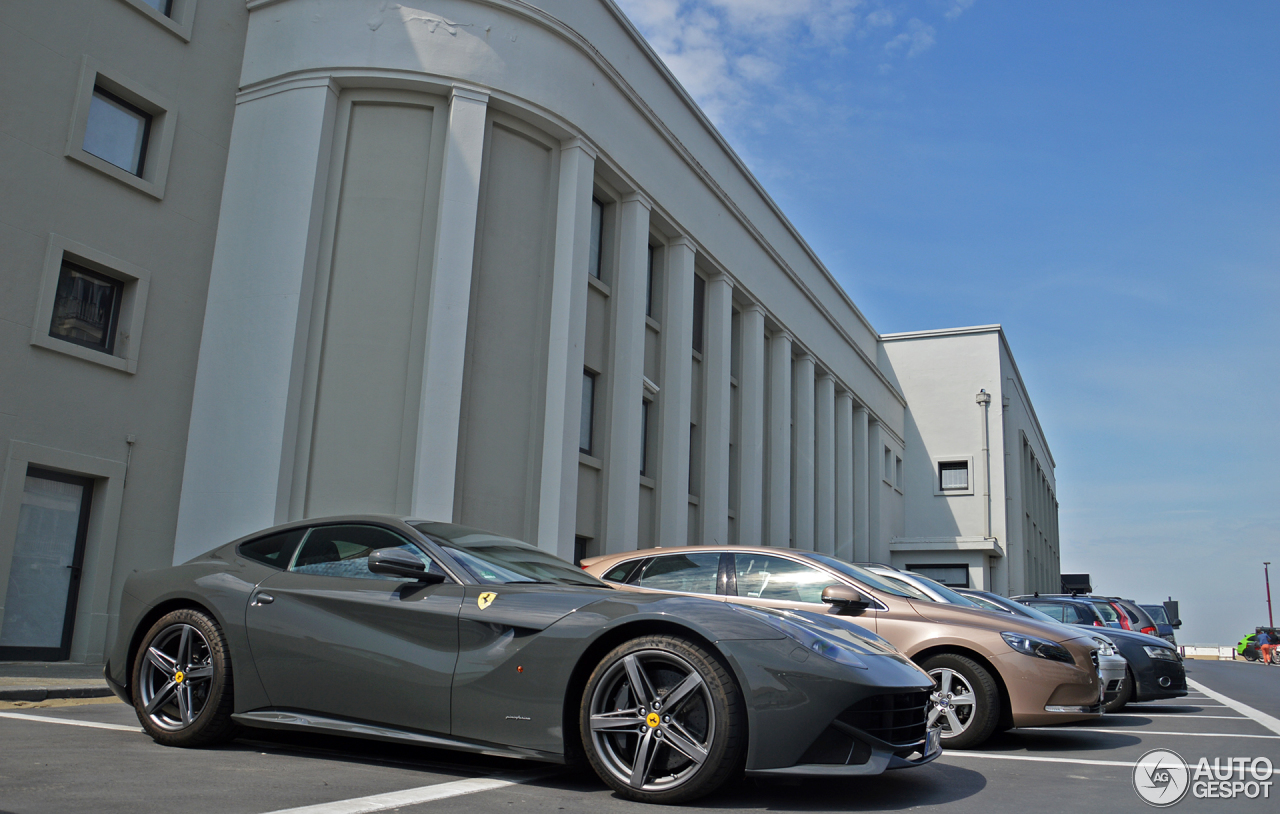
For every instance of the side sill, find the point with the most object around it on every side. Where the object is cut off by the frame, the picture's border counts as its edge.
(295, 720)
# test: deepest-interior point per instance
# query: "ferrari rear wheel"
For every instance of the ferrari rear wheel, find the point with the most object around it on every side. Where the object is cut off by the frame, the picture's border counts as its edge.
(662, 721)
(182, 687)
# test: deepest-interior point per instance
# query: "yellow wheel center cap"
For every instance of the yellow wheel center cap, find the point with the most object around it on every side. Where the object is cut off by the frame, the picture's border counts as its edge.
(178, 676)
(653, 720)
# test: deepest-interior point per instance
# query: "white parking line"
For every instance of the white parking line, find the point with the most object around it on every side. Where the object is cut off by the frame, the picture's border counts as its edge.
(1136, 731)
(20, 716)
(1182, 715)
(1269, 721)
(409, 797)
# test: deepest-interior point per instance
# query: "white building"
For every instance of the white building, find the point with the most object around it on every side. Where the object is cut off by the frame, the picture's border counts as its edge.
(981, 500)
(474, 259)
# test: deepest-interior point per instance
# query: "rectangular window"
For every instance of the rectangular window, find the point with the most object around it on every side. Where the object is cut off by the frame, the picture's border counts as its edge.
(648, 292)
(888, 465)
(953, 576)
(165, 7)
(597, 239)
(953, 475)
(897, 472)
(587, 429)
(644, 437)
(582, 550)
(699, 308)
(86, 308)
(117, 131)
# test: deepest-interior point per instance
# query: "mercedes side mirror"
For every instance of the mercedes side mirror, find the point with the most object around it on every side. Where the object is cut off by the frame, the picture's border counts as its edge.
(844, 600)
(397, 562)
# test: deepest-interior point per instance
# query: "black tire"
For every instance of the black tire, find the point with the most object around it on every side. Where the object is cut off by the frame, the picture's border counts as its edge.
(182, 687)
(1125, 695)
(680, 737)
(971, 720)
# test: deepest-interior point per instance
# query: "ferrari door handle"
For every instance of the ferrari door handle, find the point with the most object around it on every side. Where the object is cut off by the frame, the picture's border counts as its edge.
(262, 599)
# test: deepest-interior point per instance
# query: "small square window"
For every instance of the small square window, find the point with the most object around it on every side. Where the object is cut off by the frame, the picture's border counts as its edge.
(86, 308)
(953, 476)
(117, 132)
(176, 16)
(91, 305)
(122, 129)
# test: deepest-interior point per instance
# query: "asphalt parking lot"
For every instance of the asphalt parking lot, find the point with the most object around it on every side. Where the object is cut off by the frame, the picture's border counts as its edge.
(92, 757)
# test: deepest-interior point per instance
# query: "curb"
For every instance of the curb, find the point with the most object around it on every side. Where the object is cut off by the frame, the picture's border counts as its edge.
(42, 694)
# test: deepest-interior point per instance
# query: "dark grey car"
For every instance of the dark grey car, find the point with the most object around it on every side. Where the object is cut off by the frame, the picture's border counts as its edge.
(448, 636)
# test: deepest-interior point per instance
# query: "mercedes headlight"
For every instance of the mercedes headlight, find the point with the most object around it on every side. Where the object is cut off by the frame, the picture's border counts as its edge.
(1040, 648)
(827, 644)
(1106, 647)
(1161, 653)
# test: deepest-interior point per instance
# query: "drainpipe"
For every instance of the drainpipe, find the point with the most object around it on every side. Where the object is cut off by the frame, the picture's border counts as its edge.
(984, 398)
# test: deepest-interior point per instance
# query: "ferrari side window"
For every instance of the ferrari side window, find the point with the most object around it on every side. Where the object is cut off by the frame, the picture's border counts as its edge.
(343, 551)
(688, 573)
(275, 549)
(762, 576)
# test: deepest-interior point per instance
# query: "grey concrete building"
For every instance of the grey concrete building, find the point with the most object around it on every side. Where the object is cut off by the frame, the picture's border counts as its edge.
(479, 260)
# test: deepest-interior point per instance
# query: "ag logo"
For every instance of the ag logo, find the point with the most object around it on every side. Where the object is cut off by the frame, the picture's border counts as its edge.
(485, 599)
(1161, 778)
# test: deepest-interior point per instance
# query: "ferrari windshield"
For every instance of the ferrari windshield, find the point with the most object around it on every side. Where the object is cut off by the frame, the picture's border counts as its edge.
(501, 560)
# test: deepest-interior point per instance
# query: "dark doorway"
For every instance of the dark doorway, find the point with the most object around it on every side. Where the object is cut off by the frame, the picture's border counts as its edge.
(44, 576)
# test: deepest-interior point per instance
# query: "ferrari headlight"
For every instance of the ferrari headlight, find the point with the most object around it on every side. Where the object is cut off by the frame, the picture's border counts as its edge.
(828, 645)
(1106, 647)
(1040, 648)
(1161, 653)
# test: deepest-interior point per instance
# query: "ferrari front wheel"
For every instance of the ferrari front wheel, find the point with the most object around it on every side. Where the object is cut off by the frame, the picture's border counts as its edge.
(662, 720)
(182, 681)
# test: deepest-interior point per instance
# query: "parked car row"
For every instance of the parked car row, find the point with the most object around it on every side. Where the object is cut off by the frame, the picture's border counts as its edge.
(667, 671)
(991, 672)
(1106, 611)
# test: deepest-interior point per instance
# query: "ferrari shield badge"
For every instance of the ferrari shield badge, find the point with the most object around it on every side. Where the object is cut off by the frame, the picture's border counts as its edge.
(485, 599)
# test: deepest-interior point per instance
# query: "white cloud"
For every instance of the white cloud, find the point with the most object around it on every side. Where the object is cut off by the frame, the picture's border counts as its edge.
(918, 38)
(958, 7)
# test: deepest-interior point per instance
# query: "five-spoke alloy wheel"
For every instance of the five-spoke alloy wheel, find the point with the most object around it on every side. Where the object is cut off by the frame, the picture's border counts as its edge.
(965, 700)
(182, 681)
(662, 720)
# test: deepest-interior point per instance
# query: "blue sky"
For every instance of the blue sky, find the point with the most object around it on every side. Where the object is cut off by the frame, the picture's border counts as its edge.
(1103, 179)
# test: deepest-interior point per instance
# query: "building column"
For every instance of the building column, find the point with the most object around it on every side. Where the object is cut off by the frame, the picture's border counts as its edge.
(879, 546)
(804, 481)
(626, 377)
(861, 485)
(751, 428)
(714, 513)
(675, 396)
(558, 485)
(248, 379)
(450, 303)
(844, 476)
(825, 459)
(780, 441)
